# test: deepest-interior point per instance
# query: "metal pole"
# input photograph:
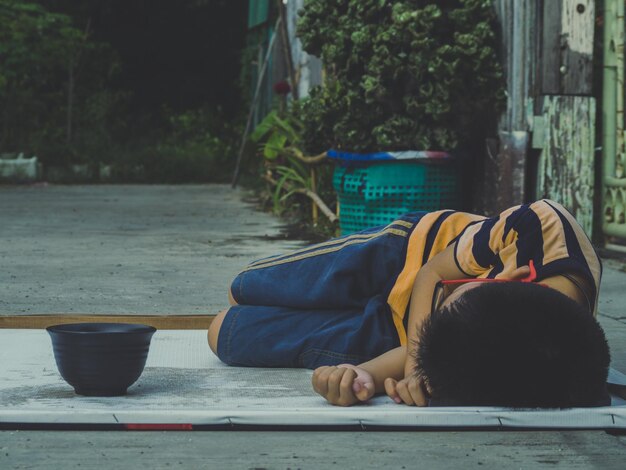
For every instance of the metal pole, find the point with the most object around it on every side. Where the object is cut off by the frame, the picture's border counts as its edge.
(609, 88)
(609, 107)
(255, 101)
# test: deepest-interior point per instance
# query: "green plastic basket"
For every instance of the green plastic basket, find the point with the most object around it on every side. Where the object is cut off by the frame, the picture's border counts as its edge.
(379, 193)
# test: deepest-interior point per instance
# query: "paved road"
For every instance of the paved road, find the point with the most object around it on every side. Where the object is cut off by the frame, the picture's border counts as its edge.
(173, 249)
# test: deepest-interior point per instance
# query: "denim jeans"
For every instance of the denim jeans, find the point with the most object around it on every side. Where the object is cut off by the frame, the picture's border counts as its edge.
(325, 304)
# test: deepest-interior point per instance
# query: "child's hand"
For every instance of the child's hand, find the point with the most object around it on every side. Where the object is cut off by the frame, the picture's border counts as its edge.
(410, 391)
(343, 385)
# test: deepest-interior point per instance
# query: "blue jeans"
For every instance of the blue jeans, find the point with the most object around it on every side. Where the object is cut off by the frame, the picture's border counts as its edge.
(322, 305)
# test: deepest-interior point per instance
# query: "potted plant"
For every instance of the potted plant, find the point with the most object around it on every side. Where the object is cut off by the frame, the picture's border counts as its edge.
(400, 75)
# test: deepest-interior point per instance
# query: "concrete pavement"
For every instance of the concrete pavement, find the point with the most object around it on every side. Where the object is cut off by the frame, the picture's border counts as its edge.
(173, 249)
(127, 249)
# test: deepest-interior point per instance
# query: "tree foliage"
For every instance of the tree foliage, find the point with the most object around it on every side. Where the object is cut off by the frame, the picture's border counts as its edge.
(29, 35)
(147, 87)
(46, 62)
(419, 74)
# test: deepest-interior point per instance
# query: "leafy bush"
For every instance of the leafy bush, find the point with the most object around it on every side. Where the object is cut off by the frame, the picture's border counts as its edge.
(279, 138)
(419, 74)
(199, 147)
(286, 168)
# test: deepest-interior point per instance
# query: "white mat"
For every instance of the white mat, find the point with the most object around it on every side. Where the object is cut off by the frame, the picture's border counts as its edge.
(185, 384)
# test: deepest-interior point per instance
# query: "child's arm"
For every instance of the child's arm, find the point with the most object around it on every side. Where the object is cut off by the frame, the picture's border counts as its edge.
(346, 385)
(441, 266)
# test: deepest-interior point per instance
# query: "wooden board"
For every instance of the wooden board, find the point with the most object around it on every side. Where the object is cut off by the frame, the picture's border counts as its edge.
(500, 177)
(566, 167)
(160, 322)
(567, 47)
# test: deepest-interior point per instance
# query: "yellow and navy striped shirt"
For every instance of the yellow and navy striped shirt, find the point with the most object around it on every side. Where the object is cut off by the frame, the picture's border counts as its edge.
(543, 231)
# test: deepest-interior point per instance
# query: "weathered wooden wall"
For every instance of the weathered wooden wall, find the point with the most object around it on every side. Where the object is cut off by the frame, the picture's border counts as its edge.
(547, 51)
(567, 47)
(505, 165)
(566, 165)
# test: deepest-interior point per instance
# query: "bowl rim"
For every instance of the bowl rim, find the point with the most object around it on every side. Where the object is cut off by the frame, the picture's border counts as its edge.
(74, 328)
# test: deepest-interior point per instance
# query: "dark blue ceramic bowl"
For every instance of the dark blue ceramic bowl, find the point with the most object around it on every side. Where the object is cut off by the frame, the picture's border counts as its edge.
(101, 359)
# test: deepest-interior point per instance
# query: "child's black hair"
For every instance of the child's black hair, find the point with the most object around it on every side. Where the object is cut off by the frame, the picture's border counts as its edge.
(516, 345)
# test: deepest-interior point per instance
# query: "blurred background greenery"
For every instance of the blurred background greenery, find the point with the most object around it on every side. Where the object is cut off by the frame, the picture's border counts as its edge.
(136, 90)
(188, 91)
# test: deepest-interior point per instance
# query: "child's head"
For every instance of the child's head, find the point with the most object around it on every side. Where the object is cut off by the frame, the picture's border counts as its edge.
(514, 344)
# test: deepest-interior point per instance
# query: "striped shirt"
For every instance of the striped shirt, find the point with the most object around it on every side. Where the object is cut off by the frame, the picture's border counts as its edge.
(543, 231)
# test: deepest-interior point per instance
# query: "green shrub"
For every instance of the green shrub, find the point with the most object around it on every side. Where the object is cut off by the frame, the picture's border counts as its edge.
(412, 74)
(199, 147)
